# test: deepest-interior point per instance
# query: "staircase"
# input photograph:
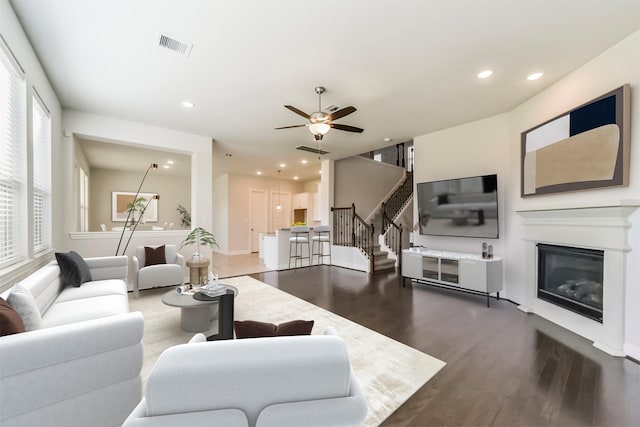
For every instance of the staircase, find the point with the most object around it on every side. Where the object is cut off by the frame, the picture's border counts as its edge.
(349, 229)
(384, 221)
(381, 260)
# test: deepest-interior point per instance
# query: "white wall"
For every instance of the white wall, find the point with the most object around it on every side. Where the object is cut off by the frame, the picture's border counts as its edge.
(613, 68)
(492, 145)
(221, 212)
(472, 149)
(364, 182)
(172, 189)
(238, 187)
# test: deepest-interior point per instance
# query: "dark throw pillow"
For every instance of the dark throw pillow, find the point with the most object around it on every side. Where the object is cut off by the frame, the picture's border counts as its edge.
(73, 267)
(10, 320)
(153, 256)
(254, 329)
(295, 327)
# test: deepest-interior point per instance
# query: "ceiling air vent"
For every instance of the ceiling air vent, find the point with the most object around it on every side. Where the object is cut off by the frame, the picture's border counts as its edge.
(331, 108)
(311, 149)
(175, 45)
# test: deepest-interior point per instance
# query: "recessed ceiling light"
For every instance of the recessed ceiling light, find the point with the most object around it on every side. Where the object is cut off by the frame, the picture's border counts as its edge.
(485, 74)
(169, 162)
(188, 104)
(259, 173)
(282, 165)
(166, 166)
(387, 139)
(320, 172)
(303, 161)
(534, 76)
(295, 178)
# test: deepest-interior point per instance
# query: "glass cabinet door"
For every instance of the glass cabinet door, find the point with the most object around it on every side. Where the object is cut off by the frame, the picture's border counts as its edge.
(430, 268)
(449, 271)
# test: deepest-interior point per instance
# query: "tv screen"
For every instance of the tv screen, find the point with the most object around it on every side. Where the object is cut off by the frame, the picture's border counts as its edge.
(462, 207)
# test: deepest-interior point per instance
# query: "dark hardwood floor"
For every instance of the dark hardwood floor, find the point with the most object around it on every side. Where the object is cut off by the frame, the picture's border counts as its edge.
(504, 367)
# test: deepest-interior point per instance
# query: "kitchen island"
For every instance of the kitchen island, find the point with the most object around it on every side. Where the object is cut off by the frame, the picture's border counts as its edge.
(275, 249)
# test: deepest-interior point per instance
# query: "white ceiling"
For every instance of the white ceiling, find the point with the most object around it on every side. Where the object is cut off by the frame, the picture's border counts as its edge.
(408, 66)
(103, 155)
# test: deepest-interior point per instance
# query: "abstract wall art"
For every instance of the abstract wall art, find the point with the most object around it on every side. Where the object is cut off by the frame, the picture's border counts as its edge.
(585, 148)
(120, 200)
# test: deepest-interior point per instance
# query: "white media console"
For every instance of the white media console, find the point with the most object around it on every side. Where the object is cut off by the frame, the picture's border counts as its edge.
(453, 270)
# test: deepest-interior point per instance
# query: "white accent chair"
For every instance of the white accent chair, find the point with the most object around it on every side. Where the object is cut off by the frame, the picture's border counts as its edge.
(153, 276)
(103, 227)
(257, 382)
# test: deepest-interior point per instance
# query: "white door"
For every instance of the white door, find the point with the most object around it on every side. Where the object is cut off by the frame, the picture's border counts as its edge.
(258, 215)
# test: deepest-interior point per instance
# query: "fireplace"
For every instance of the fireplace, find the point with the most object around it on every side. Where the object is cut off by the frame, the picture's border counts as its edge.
(605, 226)
(571, 278)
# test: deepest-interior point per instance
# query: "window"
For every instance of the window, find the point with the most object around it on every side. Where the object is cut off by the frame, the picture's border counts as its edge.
(83, 179)
(12, 157)
(41, 123)
(377, 156)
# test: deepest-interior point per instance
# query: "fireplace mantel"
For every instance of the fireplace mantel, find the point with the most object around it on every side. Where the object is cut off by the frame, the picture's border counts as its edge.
(593, 226)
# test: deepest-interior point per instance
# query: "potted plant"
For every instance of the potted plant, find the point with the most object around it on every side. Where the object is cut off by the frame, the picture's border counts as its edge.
(186, 216)
(199, 235)
(137, 205)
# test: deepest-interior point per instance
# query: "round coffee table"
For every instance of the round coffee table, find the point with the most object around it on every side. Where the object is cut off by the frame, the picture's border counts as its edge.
(195, 315)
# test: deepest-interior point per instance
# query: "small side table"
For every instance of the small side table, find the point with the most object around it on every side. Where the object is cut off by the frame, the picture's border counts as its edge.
(197, 269)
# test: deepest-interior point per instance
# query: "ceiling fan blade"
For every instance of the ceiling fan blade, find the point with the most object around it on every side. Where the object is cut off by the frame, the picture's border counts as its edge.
(299, 112)
(346, 127)
(341, 113)
(289, 127)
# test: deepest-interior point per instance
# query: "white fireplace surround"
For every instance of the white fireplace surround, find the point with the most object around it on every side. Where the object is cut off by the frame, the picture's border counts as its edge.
(603, 227)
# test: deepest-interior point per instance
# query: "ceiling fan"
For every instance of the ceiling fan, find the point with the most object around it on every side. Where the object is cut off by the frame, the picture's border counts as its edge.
(320, 122)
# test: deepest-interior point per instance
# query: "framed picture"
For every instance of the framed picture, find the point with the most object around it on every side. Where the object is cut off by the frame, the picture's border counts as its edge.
(120, 200)
(585, 148)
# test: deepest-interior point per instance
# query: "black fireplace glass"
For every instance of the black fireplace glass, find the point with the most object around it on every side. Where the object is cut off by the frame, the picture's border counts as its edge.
(571, 278)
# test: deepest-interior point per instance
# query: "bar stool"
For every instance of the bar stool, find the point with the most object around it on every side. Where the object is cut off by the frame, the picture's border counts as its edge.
(322, 235)
(299, 238)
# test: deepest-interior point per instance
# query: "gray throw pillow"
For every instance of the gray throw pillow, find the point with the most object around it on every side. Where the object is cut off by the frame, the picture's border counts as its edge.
(73, 268)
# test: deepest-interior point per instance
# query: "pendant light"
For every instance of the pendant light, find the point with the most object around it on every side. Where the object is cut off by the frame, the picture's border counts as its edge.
(279, 206)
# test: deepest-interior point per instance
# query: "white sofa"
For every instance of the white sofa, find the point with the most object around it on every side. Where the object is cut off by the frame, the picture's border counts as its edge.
(264, 382)
(82, 368)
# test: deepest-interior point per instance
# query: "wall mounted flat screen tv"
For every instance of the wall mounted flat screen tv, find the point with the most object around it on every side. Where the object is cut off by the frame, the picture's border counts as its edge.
(462, 207)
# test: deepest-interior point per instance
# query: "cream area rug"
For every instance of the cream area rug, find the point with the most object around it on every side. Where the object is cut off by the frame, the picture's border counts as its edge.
(388, 371)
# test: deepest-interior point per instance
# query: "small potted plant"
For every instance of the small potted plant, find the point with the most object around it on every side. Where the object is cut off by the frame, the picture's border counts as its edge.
(199, 235)
(134, 206)
(186, 216)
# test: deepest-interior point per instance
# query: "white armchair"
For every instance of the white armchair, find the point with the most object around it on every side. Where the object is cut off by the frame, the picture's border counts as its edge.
(258, 382)
(152, 276)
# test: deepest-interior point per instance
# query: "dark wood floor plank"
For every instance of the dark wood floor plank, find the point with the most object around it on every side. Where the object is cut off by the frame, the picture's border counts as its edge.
(504, 367)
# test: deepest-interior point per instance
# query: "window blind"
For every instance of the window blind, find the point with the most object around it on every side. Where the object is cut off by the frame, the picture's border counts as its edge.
(41, 123)
(12, 144)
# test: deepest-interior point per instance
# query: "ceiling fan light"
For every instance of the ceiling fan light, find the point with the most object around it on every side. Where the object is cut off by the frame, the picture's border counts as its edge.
(319, 128)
